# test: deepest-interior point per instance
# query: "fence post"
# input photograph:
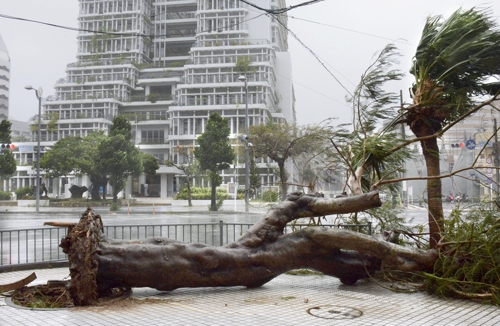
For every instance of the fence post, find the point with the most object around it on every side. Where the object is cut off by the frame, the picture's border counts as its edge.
(221, 229)
(369, 228)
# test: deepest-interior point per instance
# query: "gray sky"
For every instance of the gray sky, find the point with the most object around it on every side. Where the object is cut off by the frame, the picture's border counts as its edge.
(344, 34)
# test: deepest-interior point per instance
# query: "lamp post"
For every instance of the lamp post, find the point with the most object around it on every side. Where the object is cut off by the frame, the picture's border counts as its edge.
(39, 94)
(247, 164)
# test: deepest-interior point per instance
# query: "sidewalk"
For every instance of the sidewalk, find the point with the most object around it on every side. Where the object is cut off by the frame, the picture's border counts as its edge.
(148, 204)
(286, 300)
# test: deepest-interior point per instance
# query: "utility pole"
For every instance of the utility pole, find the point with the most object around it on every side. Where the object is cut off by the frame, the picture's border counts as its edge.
(496, 161)
(403, 136)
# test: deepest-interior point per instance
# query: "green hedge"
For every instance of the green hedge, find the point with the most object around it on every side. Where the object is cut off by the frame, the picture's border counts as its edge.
(4, 195)
(270, 196)
(23, 192)
(198, 193)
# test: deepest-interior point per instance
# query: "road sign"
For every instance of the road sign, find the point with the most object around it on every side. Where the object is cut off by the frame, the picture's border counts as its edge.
(490, 181)
(470, 144)
(489, 160)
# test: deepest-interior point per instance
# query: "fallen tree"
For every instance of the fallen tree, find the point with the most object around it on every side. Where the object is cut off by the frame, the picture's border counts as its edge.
(98, 264)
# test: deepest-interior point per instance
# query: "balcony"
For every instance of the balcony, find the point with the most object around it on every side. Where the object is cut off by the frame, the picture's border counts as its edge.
(153, 98)
(146, 116)
(152, 141)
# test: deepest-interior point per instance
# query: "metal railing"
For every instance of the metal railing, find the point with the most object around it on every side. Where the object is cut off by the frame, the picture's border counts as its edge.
(42, 244)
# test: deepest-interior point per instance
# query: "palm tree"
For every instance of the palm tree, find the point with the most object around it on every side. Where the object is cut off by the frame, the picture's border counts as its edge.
(452, 65)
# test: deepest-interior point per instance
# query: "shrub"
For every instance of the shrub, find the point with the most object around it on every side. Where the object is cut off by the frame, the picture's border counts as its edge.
(270, 196)
(114, 206)
(198, 193)
(23, 192)
(4, 195)
(153, 97)
(468, 265)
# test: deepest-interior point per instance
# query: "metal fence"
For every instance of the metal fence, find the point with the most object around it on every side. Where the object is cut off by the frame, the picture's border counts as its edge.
(42, 244)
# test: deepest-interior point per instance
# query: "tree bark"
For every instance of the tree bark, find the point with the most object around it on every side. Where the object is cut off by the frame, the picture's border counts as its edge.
(260, 255)
(430, 150)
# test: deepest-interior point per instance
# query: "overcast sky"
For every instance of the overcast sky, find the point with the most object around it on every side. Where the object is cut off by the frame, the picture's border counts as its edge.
(344, 34)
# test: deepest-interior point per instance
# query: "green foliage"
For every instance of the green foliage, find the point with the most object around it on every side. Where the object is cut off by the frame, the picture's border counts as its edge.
(281, 141)
(469, 263)
(63, 158)
(23, 192)
(242, 65)
(149, 164)
(198, 193)
(119, 158)
(115, 206)
(270, 196)
(214, 151)
(453, 61)
(5, 131)
(4, 195)
(372, 151)
(7, 161)
(153, 97)
(121, 126)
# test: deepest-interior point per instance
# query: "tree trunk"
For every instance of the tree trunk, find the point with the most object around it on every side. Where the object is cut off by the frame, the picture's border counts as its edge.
(283, 177)
(213, 197)
(434, 192)
(430, 150)
(189, 192)
(97, 183)
(99, 264)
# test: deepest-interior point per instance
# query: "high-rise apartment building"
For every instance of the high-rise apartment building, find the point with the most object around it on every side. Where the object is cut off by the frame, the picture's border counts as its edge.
(168, 64)
(4, 80)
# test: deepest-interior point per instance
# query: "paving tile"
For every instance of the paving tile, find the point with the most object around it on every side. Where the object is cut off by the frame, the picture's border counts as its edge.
(283, 301)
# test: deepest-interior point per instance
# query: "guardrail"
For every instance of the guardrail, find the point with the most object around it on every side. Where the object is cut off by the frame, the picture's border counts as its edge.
(42, 244)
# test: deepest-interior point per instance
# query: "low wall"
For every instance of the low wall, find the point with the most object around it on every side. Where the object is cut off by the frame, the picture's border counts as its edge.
(32, 203)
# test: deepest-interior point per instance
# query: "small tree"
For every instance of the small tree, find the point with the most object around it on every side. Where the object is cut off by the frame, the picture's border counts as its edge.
(119, 157)
(215, 152)
(281, 141)
(190, 167)
(7, 161)
(63, 158)
(89, 163)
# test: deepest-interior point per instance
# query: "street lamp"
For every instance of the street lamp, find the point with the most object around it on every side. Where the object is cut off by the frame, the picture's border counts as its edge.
(39, 94)
(247, 164)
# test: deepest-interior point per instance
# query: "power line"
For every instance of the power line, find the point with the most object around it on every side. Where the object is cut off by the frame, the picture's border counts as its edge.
(281, 10)
(315, 91)
(73, 28)
(352, 30)
(119, 33)
(315, 56)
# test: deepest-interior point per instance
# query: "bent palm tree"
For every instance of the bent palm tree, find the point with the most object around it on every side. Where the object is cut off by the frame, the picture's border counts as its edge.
(452, 64)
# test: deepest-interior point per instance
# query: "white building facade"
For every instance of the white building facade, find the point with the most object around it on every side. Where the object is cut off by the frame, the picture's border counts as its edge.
(167, 65)
(4, 80)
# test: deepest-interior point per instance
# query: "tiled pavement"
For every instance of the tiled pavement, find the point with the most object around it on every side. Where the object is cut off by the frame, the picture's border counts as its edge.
(287, 300)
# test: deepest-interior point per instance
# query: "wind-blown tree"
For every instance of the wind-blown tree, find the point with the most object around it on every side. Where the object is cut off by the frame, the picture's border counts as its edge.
(190, 167)
(89, 163)
(63, 158)
(453, 62)
(118, 156)
(371, 154)
(214, 152)
(281, 141)
(7, 161)
(149, 164)
(78, 156)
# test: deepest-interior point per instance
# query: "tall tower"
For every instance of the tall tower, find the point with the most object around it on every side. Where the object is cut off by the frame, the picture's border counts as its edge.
(4, 80)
